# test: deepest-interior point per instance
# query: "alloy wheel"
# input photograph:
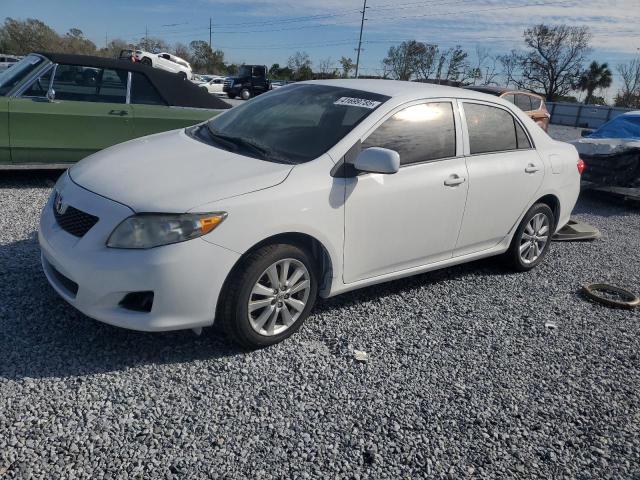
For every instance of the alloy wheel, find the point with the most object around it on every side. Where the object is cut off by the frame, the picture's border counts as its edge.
(279, 297)
(534, 238)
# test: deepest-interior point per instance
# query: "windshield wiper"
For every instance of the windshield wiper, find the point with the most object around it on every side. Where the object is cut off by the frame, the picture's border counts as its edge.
(257, 149)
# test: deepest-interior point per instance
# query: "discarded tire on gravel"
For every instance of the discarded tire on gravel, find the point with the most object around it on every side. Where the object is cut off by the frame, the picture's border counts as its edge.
(611, 295)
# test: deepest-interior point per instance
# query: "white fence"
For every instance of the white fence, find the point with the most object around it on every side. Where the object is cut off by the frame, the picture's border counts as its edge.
(579, 115)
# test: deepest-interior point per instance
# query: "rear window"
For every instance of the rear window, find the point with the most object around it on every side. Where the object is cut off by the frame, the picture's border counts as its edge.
(143, 92)
(536, 103)
(523, 102)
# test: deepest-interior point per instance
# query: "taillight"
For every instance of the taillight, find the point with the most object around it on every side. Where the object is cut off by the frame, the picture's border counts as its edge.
(581, 166)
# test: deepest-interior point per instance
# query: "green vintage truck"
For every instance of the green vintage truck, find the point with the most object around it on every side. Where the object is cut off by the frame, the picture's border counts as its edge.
(56, 109)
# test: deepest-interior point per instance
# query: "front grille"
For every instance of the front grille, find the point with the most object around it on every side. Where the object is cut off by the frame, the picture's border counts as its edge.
(227, 84)
(74, 221)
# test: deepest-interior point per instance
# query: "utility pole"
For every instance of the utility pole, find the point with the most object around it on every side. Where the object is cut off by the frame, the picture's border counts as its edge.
(364, 9)
(146, 37)
(106, 38)
(209, 32)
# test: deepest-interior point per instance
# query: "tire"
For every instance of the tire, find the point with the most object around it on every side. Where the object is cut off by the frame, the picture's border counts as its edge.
(251, 275)
(231, 95)
(182, 75)
(146, 61)
(245, 94)
(527, 249)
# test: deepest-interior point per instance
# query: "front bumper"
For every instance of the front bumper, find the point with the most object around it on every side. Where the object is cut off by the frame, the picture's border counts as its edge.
(185, 278)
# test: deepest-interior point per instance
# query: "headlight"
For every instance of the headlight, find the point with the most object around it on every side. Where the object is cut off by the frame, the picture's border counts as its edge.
(149, 230)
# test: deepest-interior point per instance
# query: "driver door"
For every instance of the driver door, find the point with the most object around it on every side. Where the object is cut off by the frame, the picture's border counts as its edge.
(411, 218)
(89, 113)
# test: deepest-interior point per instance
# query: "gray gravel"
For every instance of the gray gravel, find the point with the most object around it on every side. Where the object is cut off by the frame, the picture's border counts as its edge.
(463, 379)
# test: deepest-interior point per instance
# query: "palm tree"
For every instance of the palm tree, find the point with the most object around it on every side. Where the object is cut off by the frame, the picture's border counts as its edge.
(596, 76)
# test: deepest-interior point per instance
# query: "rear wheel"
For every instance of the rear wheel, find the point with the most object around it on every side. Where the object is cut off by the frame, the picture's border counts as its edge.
(532, 239)
(269, 295)
(146, 61)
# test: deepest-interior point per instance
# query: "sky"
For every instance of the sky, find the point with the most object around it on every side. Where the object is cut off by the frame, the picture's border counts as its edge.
(269, 31)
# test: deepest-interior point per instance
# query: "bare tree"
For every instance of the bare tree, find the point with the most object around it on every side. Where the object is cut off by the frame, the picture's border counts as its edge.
(484, 71)
(510, 66)
(629, 95)
(555, 58)
(426, 62)
(114, 47)
(326, 69)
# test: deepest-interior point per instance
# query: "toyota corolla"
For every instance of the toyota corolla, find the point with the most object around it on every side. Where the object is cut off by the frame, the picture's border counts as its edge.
(313, 189)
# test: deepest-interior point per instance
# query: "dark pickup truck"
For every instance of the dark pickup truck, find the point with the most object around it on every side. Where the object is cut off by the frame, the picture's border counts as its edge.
(251, 81)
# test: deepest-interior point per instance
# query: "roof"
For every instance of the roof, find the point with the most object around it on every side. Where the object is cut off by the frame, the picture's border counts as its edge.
(175, 90)
(397, 88)
(491, 90)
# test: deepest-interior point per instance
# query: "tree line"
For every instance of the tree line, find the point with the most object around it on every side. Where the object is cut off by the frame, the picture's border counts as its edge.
(553, 62)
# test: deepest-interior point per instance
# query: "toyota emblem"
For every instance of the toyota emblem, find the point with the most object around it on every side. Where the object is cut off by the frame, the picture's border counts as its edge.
(59, 205)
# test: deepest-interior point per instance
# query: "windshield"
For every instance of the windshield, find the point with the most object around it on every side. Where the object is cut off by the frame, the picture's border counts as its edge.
(294, 124)
(13, 76)
(244, 71)
(624, 126)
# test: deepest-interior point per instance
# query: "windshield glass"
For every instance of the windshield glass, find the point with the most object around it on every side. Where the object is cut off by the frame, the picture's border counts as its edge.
(624, 126)
(244, 71)
(294, 124)
(13, 76)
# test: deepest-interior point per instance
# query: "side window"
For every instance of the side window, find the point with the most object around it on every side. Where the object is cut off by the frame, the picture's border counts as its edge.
(143, 92)
(88, 84)
(418, 133)
(521, 137)
(493, 129)
(535, 103)
(39, 87)
(510, 97)
(523, 102)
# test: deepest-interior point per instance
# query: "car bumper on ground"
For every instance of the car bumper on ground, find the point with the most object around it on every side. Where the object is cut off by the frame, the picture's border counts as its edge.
(185, 278)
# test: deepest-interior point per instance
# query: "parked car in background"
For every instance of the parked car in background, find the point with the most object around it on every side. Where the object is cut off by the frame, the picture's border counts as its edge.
(612, 152)
(530, 103)
(7, 61)
(165, 61)
(214, 86)
(250, 81)
(315, 188)
(56, 109)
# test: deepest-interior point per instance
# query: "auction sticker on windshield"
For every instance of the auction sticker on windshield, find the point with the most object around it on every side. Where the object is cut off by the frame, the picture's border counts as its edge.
(357, 102)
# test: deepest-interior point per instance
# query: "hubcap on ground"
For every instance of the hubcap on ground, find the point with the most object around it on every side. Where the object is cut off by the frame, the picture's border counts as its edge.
(279, 297)
(534, 238)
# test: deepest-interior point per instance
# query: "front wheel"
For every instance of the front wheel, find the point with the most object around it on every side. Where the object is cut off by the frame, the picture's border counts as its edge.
(532, 239)
(245, 94)
(269, 295)
(146, 61)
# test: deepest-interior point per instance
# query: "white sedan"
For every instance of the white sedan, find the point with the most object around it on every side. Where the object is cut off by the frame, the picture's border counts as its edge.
(316, 188)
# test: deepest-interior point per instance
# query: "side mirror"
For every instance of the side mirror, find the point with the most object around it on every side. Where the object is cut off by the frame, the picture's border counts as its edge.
(586, 132)
(51, 94)
(377, 160)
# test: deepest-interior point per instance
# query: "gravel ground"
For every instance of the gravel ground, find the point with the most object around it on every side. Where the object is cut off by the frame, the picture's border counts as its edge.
(463, 378)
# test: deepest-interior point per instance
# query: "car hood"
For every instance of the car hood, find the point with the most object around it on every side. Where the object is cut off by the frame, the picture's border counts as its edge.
(171, 172)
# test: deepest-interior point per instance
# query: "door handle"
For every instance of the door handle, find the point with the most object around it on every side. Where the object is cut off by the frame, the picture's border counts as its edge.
(531, 168)
(454, 180)
(120, 113)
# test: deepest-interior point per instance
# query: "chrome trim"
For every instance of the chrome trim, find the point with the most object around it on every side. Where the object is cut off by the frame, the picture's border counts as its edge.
(35, 166)
(33, 76)
(129, 79)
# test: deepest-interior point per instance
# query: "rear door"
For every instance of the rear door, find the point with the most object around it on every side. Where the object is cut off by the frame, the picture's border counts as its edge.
(505, 172)
(89, 113)
(152, 114)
